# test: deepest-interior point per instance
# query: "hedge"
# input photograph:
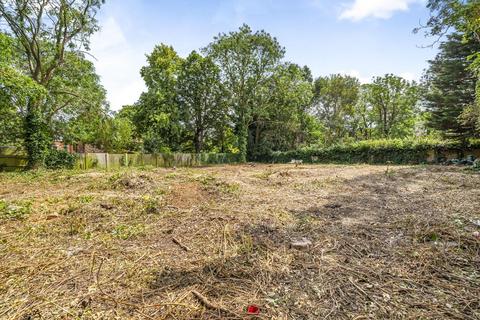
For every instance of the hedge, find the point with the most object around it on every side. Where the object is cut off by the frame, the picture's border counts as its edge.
(375, 152)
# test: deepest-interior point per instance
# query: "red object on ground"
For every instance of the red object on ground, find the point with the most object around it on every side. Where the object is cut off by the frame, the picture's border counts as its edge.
(253, 309)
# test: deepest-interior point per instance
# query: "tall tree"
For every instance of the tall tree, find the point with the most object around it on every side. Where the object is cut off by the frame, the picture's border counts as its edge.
(16, 91)
(157, 113)
(201, 98)
(45, 31)
(462, 16)
(247, 60)
(362, 123)
(334, 100)
(450, 86)
(283, 123)
(393, 104)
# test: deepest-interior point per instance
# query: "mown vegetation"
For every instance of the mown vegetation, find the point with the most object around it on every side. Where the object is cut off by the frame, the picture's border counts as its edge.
(238, 94)
(141, 244)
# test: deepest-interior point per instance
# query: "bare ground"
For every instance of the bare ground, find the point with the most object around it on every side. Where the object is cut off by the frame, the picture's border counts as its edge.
(396, 243)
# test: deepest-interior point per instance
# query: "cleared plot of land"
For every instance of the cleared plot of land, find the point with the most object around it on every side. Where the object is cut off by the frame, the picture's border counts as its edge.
(205, 243)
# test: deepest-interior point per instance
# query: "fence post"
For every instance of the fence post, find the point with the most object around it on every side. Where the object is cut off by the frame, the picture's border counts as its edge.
(106, 161)
(85, 160)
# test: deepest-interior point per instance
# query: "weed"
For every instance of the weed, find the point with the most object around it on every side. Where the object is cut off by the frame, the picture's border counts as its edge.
(126, 232)
(15, 211)
(265, 175)
(86, 198)
(151, 205)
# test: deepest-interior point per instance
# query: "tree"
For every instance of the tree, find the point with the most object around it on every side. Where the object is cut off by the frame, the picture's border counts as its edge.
(334, 100)
(115, 134)
(201, 98)
(45, 31)
(157, 112)
(362, 123)
(282, 125)
(247, 60)
(393, 104)
(462, 16)
(16, 90)
(450, 86)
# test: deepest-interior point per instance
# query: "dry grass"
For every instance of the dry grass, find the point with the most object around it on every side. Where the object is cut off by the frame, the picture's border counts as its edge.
(388, 243)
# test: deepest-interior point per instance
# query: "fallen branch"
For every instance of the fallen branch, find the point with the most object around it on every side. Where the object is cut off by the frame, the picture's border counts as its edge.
(181, 245)
(209, 305)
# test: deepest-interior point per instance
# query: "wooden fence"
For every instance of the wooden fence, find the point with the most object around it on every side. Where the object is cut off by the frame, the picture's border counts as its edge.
(12, 159)
(115, 161)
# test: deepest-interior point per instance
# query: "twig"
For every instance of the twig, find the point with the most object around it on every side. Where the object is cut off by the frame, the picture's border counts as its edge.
(181, 245)
(204, 301)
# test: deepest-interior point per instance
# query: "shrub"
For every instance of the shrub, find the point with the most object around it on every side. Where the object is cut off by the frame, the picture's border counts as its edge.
(59, 159)
(373, 151)
(14, 211)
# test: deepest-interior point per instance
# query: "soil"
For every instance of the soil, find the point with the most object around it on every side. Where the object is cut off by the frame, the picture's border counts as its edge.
(395, 242)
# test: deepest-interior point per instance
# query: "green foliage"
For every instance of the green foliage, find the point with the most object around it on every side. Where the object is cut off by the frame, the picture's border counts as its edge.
(125, 232)
(201, 97)
(247, 60)
(392, 105)
(14, 211)
(115, 135)
(46, 47)
(17, 92)
(156, 114)
(335, 98)
(395, 151)
(462, 16)
(470, 118)
(450, 88)
(283, 121)
(37, 140)
(59, 159)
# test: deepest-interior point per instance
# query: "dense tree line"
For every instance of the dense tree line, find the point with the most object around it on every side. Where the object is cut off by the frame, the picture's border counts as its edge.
(237, 94)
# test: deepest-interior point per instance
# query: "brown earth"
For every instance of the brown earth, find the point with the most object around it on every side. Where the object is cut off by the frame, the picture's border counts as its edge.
(205, 243)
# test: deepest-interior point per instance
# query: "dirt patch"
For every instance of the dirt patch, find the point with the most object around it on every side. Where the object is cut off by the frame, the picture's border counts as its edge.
(384, 243)
(187, 195)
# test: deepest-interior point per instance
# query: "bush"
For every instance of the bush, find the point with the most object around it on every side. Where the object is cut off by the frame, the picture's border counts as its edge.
(59, 159)
(373, 151)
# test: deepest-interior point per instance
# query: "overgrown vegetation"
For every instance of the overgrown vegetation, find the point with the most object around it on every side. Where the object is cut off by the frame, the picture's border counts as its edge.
(139, 244)
(394, 151)
(59, 159)
(237, 95)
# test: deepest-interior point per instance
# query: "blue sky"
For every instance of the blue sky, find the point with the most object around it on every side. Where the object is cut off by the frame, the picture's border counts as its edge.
(364, 38)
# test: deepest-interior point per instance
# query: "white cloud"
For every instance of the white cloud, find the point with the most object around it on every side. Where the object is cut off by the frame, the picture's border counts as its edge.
(382, 9)
(363, 78)
(118, 64)
(358, 75)
(410, 76)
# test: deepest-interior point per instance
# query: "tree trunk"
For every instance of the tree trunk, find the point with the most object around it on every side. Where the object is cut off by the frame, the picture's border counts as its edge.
(198, 140)
(37, 141)
(242, 131)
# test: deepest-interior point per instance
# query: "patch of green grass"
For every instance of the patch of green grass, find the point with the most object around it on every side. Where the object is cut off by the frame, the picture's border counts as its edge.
(264, 175)
(87, 198)
(211, 183)
(15, 211)
(171, 175)
(151, 205)
(126, 232)
(76, 226)
(230, 188)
